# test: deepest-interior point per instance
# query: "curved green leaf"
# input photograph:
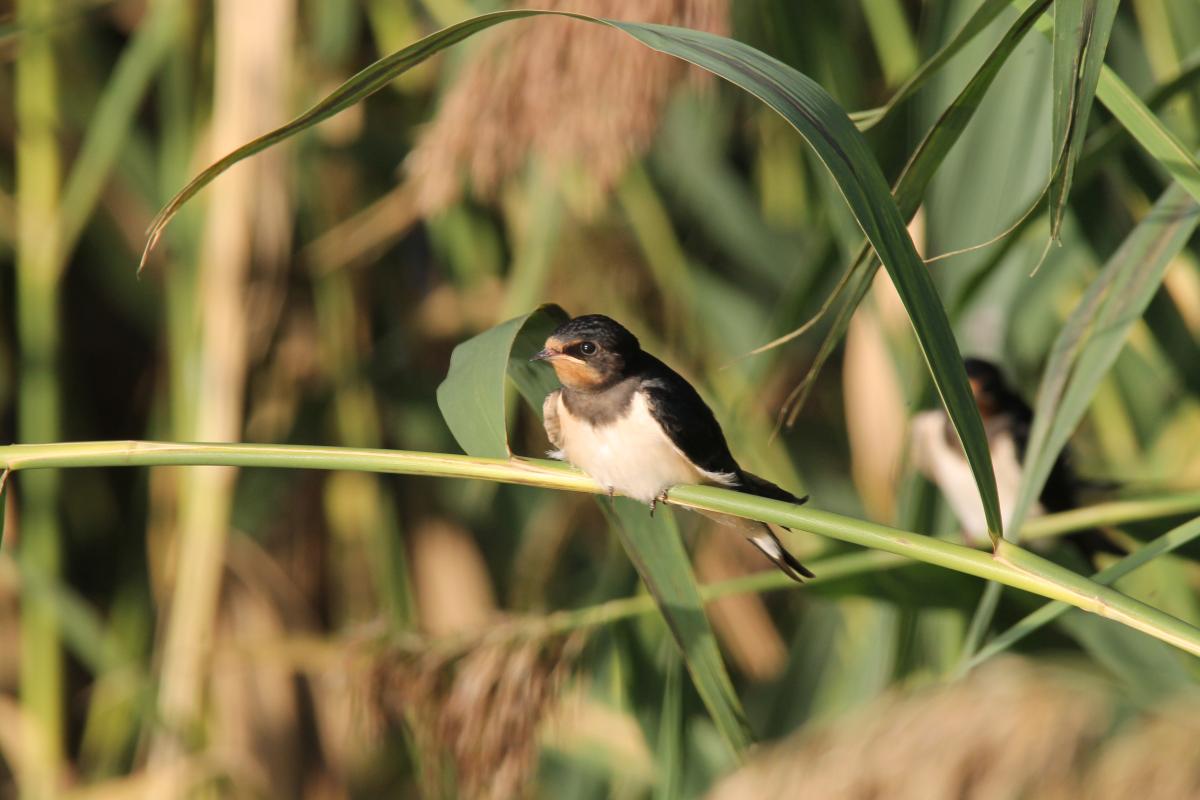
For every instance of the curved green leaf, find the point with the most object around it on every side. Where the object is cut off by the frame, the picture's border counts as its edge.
(656, 550)
(472, 397)
(988, 10)
(911, 186)
(1081, 31)
(844, 151)
(1146, 129)
(362, 85)
(1098, 149)
(1095, 333)
(804, 104)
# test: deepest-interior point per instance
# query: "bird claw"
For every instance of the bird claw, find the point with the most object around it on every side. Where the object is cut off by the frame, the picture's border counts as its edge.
(662, 498)
(612, 503)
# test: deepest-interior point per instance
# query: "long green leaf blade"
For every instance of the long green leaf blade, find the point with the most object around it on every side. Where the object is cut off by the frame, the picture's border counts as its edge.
(1162, 145)
(357, 88)
(472, 397)
(804, 104)
(825, 126)
(1081, 32)
(988, 10)
(1094, 334)
(914, 181)
(1154, 137)
(656, 550)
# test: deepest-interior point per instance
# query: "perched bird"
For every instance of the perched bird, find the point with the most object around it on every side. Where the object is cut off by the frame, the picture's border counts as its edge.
(637, 427)
(1007, 420)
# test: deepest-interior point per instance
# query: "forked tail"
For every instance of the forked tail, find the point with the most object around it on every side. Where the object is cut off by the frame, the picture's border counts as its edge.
(773, 549)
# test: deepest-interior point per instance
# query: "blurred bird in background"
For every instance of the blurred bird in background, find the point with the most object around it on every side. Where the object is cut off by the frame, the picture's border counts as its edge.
(637, 427)
(1007, 419)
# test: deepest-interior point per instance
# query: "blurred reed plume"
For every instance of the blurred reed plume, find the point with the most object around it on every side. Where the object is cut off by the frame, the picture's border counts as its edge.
(480, 714)
(1158, 758)
(1012, 729)
(579, 96)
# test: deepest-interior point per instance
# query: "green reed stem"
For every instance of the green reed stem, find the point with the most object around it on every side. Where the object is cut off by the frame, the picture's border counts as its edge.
(37, 294)
(1009, 565)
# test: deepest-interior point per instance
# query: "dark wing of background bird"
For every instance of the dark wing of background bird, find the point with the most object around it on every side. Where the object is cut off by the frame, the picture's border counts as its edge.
(1061, 492)
(691, 426)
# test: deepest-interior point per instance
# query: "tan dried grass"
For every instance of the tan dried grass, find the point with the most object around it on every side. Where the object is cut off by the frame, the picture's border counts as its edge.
(1010, 730)
(1156, 759)
(578, 96)
(480, 713)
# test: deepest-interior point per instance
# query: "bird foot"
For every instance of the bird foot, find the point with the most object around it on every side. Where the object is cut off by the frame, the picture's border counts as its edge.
(612, 504)
(662, 498)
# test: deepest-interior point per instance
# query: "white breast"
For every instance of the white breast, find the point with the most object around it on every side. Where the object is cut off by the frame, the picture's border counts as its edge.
(632, 455)
(942, 461)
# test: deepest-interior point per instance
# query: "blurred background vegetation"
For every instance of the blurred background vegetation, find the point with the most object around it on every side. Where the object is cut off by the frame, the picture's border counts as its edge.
(265, 633)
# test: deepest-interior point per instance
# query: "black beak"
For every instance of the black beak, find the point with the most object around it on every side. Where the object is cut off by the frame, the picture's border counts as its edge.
(543, 354)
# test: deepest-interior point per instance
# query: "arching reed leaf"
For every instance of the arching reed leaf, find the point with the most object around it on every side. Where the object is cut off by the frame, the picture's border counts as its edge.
(1148, 130)
(1081, 32)
(804, 104)
(1095, 333)
(656, 550)
(988, 10)
(471, 398)
(913, 181)
(1141, 123)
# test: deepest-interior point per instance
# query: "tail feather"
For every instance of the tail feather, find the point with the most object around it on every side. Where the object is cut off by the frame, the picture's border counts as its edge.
(773, 549)
(761, 487)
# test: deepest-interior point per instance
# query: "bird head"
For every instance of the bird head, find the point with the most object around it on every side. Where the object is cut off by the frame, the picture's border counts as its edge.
(590, 353)
(988, 385)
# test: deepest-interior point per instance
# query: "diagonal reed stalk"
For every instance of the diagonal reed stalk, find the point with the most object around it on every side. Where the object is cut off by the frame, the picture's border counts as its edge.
(1009, 565)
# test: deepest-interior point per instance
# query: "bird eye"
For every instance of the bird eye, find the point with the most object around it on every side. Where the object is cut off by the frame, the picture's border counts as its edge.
(588, 348)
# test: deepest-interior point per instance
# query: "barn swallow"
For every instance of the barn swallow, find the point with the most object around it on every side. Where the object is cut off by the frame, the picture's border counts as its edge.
(1007, 420)
(637, 427)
